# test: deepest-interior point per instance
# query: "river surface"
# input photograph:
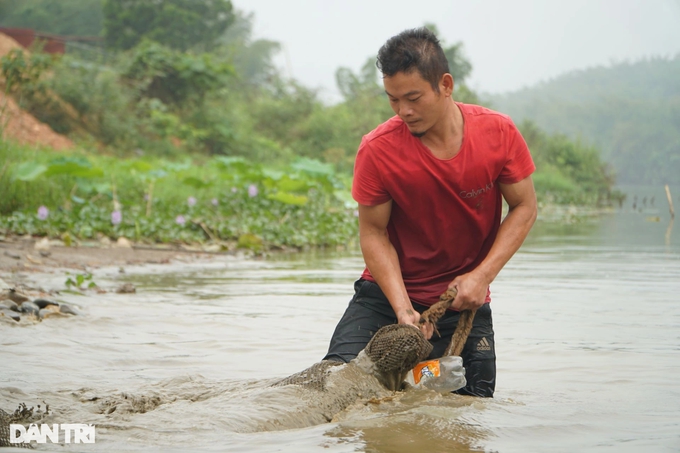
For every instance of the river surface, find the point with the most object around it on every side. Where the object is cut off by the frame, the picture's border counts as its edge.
(587, 320)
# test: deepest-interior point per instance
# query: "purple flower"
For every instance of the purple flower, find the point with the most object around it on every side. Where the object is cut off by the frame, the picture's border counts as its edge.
(43, 212)
(146, 197)
(180, 220)
(214, 202)
(191, 201)
(116, 217)
(234, 190)
(252, 190)
(356, 213)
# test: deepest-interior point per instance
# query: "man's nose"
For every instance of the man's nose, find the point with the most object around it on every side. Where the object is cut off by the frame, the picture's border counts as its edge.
(405, 110)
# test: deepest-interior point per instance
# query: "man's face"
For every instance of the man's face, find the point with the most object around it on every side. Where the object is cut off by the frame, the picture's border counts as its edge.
(414, 100)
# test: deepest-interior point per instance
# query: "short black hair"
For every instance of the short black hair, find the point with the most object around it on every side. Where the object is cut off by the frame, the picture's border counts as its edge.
(417, 48)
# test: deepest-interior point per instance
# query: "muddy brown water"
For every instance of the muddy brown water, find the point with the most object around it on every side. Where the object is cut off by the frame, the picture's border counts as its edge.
(587, 320)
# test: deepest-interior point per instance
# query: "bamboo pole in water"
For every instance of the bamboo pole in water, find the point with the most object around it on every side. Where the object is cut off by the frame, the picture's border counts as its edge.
(670, 201)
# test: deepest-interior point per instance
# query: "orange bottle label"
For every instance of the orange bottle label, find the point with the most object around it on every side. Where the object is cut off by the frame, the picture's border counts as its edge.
(429, 368)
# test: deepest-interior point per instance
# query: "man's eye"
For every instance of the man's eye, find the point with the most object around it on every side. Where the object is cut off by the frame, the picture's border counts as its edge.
(414, 100)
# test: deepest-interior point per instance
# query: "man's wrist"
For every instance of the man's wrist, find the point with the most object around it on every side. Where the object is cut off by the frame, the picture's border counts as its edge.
(404, 312)
(485, 275)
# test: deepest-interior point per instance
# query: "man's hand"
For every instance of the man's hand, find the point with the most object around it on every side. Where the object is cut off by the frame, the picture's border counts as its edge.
(472, 290)
(412, 317)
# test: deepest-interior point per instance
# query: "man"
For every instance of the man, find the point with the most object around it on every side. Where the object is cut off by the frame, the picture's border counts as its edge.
(430, 183)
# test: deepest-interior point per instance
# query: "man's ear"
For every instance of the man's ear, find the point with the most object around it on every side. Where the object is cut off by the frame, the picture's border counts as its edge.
(446, 84)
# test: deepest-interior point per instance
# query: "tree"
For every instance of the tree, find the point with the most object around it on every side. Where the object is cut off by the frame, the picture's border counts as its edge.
(252, 59)
(178, 24)
(365, 83)
(62, 17)
(174, 77)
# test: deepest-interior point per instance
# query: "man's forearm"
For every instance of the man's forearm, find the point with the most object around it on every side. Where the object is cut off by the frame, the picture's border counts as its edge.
(381, 259)
(511, 234)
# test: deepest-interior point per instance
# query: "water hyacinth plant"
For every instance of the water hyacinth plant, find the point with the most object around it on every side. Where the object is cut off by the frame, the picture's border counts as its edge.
(43, 213)
(304, 204)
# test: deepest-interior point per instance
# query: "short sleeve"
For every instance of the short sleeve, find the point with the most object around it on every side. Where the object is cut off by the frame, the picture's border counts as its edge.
(367, 186)
(518, 164)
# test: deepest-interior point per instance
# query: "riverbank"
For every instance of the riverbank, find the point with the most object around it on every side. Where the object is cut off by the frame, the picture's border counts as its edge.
(27, 254)
(43, 271)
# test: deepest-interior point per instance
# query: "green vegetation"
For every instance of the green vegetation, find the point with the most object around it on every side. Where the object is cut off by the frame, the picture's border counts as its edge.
(62, 17)
(180, 24)
(80, 280)
(631, 111)
(568, 172)
(228, 200)
(202, 140)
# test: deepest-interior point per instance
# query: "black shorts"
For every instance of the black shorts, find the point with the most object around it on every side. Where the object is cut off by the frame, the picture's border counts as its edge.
(369, 310)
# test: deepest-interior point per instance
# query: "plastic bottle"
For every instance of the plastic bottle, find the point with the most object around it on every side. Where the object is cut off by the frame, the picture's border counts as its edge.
(443, 375)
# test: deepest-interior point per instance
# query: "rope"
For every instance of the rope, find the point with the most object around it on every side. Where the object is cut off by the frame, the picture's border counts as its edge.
(463, 328)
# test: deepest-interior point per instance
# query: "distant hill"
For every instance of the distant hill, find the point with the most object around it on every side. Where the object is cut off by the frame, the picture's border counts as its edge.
(631, 111)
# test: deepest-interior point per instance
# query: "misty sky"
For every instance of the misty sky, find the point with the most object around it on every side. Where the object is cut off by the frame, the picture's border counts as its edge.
(511, 44)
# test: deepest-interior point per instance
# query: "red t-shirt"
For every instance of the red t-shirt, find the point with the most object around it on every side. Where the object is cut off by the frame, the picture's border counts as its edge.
(445, 213)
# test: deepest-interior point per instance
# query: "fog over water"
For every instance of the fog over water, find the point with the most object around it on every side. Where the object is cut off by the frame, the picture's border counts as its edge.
(510, 44)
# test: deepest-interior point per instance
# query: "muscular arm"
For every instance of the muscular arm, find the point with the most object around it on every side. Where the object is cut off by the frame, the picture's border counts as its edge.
(381, 259)
(472, 287)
